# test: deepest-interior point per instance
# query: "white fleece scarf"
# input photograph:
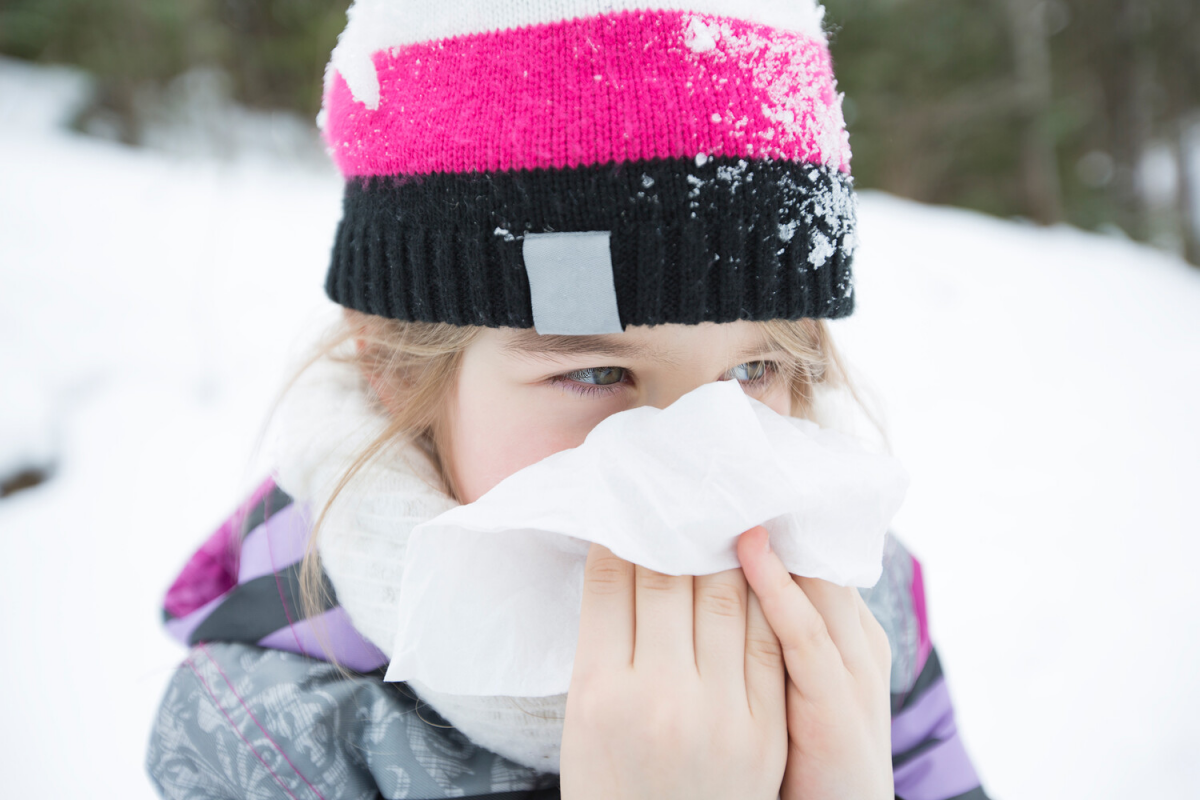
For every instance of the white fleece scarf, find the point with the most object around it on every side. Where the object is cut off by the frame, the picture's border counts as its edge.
(321, 426)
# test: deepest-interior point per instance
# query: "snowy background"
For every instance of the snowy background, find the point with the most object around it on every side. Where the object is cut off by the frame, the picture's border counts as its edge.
(1041, 387)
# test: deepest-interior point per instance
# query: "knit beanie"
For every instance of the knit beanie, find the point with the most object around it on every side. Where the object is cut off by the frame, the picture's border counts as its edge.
(577, 166)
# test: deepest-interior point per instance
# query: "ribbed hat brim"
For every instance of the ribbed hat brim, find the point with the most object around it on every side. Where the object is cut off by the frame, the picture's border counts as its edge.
(729, 239)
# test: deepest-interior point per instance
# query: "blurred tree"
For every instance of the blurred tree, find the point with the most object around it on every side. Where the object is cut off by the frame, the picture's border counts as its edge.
(932, 105)
(1179, 71)
(1031, 24)
(1046, 109)
(279, 48)
(1138, 63)
(275, 50)
(124, 43)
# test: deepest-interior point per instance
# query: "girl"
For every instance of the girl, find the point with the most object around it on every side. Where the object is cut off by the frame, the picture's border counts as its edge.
(556, 211)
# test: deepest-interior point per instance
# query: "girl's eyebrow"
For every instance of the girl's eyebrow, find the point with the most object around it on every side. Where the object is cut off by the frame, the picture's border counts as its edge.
(528, 342)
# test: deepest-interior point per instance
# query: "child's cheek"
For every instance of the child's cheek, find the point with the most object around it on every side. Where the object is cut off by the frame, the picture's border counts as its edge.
(497, 432)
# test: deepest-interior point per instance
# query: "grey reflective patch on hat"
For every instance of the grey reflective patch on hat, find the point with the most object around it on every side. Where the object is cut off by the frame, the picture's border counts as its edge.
(571, 283)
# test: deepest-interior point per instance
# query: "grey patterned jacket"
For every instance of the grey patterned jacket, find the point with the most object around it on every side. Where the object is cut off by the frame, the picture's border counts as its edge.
(257, 710)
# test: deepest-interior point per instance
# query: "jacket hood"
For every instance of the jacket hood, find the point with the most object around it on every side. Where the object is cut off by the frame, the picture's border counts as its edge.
(243, 585)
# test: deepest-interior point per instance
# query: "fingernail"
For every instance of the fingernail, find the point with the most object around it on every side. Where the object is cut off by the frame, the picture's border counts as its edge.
(766, 542)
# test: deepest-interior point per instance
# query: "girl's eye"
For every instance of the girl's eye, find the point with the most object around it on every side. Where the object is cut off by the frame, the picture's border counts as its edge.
(606, 380)
(593, 380)
(600, 376)
(753, 372)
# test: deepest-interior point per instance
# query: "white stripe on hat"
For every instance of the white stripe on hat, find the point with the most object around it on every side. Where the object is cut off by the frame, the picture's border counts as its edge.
(377, 24)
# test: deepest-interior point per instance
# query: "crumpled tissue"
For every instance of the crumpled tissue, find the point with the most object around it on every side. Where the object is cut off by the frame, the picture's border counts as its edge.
(491, 591)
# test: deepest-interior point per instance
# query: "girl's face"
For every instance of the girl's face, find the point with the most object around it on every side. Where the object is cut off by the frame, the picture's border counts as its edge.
(521, 396)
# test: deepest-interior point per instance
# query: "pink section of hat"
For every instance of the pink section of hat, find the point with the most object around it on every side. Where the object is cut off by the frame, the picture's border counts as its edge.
(610, 88)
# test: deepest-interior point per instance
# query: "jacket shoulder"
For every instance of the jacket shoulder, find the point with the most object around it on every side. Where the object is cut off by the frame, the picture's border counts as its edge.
(240, 721)
(898, 603)
(929, 759)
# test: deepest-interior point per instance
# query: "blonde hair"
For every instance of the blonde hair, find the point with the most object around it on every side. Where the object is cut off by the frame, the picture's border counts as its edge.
(412, 368)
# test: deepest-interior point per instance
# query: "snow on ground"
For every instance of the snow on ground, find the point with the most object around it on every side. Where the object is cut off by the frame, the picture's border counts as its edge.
(1040, 387)
(147, 305)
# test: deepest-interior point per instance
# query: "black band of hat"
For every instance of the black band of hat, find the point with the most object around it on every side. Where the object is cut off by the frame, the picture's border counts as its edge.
(700, 240)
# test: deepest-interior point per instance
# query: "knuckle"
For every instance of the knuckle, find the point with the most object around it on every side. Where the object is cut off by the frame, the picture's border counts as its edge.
(813, 633)
(764, 650)
(721, 600)
(606, 575)
(653, 581)
(783, 583)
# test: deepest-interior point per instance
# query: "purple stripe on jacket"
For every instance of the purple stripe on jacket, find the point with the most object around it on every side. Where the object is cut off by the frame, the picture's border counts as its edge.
(181, 628)
(941, 767)
(328, 633)
(940, 772)
(212, 570)
(276, 544)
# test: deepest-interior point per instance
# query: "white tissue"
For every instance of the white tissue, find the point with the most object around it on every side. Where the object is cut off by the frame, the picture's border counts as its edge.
(490, 598)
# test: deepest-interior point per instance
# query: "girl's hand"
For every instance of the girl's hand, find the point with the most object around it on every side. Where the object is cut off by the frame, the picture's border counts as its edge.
(677, 690)
(838, 661)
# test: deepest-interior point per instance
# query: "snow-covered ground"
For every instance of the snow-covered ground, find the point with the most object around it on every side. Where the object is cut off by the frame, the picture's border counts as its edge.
(1041, 387)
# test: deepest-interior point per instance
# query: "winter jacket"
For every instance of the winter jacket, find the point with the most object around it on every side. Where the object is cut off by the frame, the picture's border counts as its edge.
(258, 711)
